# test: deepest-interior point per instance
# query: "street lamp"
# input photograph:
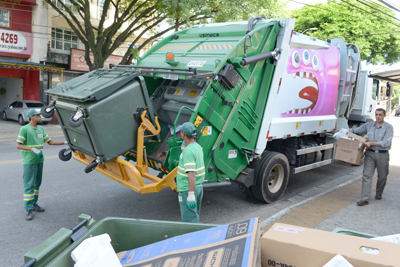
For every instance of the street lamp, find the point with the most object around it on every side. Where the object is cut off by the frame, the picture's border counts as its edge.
(310, 29)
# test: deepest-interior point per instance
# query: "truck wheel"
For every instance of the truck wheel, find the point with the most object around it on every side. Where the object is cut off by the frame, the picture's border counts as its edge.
(247, 191)
(64, 157)
(72, 122)
(272, 177)
(45, 113)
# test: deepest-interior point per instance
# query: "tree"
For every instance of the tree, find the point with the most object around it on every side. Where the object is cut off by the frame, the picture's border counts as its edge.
(375, 33)
(140, 17)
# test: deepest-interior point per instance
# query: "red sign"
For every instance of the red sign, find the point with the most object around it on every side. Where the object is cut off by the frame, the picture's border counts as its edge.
(78, 61)
(15, 42)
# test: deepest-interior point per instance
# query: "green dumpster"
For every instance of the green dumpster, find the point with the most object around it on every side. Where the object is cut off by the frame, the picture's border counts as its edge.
(125, 234)
(97, 111)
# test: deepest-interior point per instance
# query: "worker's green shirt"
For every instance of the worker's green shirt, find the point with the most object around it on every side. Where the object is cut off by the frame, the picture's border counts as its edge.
(31, 137)
(191, 160)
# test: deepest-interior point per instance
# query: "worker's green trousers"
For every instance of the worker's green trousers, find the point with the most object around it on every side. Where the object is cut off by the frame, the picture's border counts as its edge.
(191, 215)
(32, 180)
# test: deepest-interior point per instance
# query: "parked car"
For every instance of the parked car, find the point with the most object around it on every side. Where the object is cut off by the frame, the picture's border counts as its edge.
(18, 110)
(397, 112)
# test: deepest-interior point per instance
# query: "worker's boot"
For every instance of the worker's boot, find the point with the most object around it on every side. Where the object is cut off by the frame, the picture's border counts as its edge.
(37, 208)
(29, 215)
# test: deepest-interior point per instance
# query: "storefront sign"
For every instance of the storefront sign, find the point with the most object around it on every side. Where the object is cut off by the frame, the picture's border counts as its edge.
(78, 61)
(15, 42)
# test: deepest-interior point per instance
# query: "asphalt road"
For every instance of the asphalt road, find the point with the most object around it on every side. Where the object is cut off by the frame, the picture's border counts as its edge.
(67, 192)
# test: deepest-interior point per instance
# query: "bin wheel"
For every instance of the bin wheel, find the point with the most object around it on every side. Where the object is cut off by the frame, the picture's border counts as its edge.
(45, 113)
(74, 123)
(272, 177)
(92, 165)
(64, 157)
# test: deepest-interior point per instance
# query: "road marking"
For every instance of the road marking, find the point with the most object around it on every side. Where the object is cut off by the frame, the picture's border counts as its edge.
(20, 160)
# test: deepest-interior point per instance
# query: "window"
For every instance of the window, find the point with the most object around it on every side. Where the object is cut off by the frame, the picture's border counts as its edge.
(375, 89)
(34, 105)
(19, 105)
(66, 2)
(63, 40)
(4, 18)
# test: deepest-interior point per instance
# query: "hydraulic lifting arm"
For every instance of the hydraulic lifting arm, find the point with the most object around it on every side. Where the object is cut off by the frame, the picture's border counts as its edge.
(131, 175)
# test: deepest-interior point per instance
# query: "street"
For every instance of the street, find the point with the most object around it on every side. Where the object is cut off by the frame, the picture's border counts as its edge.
(67, 191)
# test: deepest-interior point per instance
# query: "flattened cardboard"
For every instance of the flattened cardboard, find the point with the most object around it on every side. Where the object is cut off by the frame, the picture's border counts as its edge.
(356, 137)
(349, 151)
(229, 245)
(288, 245)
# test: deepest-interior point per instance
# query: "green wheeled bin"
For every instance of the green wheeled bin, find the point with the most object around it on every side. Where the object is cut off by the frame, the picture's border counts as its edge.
(97, 111)
(125, 234)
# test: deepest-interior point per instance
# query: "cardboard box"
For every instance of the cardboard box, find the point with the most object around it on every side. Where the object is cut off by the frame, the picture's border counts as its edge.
(350, 151)
(288, 245)
(235, 244)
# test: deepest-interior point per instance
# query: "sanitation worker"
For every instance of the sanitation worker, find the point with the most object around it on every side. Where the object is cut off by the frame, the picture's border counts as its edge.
(380, 135)
(190, 175)
(30, 141)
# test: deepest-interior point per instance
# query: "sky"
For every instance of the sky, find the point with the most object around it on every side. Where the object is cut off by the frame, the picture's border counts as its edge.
(376, 68)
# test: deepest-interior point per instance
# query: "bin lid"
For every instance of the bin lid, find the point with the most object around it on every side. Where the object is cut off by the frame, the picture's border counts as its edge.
(94, 85)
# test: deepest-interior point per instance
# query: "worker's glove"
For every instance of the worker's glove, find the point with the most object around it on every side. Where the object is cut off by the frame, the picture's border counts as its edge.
(65, 142)
(38, 153)
(191, 201)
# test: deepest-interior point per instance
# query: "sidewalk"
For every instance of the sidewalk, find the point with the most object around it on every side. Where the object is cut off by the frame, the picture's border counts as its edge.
(9, 130)
(339, 209)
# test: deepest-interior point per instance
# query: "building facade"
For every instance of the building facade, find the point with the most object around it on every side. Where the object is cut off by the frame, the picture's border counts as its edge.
(38, 49)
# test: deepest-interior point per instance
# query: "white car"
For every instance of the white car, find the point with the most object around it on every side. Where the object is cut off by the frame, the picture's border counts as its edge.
(18, 110)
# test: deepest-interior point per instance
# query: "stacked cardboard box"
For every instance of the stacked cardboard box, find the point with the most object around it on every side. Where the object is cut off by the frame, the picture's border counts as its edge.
(288, 245)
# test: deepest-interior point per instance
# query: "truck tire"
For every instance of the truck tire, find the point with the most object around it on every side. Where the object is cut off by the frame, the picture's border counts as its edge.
(272, 177)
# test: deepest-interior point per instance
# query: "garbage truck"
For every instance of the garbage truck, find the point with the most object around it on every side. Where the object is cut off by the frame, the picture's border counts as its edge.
(265, 101)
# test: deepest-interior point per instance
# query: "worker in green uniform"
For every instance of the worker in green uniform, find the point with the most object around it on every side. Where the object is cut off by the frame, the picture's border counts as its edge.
(30, 141)
(190, 175)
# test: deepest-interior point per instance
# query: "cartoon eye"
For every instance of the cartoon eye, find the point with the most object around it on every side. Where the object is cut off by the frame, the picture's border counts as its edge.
(296, 59)
(306, 57)
(315, 62)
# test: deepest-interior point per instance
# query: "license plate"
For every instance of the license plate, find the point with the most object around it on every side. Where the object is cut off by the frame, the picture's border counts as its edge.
(173, 77)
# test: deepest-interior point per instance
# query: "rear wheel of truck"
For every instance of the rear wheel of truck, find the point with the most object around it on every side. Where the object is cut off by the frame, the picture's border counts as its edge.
(272, 177)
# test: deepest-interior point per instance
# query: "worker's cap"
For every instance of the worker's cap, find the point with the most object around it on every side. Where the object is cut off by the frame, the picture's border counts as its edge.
(188, 128)
(32, 112)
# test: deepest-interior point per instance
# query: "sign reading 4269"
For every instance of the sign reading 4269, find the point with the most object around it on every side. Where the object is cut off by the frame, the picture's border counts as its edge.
(15, 42)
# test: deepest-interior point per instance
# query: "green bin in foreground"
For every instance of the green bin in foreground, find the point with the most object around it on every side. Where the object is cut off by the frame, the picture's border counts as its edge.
(125, 234)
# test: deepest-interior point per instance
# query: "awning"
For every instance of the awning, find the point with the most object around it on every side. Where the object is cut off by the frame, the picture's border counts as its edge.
(14, 64)
(391, 76)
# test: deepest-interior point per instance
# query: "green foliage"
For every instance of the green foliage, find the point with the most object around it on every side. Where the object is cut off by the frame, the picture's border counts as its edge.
(378, 39)
(154, 18)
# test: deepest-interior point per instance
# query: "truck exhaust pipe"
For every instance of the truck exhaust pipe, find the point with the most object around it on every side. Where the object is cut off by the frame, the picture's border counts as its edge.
(259, 57)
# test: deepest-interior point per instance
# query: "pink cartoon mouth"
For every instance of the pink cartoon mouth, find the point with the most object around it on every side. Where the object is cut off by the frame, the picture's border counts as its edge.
(310, 92)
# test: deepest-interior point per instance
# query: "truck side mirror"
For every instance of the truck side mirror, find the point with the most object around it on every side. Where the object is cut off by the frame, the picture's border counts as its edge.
(389, 89)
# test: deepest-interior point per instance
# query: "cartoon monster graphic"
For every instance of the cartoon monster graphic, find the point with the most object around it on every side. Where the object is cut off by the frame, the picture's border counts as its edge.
(310, 84)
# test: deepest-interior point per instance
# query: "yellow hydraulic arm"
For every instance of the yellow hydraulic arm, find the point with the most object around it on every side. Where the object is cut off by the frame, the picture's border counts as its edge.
(131, 175)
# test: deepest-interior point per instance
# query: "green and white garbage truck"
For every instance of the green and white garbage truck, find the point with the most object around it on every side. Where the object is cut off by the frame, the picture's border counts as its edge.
(265, 101)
